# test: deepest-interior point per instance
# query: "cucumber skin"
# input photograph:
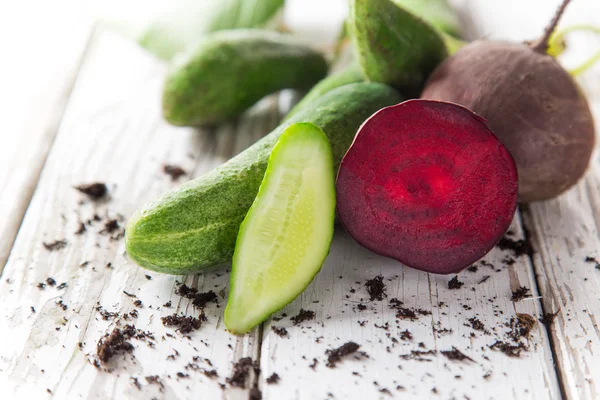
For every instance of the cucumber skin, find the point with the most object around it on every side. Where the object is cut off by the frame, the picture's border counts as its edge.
(194, 227)
(229, 315)
(402, 58)
(229, 71)
(350, 74)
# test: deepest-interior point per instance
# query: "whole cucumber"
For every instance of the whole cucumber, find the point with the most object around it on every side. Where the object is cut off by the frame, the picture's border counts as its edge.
(229, 71)
(350, 74)
(180, 23)
(194, 227)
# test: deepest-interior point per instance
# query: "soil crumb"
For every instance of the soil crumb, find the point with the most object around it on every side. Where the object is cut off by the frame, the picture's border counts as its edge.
(255, 394)
(281, 332)
(273, 379)
(240, 373)
(593, 260)
(455, 355)
(548, 318)
(115, 343)
(454, 283)
(94, 191)
(174, 171)
(303, 315)
(56, 245)
(511, 350)
(476, 324)
(521, 293)
(199, 300)
(335, 355)
(518, 247)
(376, 288)
(184, 324)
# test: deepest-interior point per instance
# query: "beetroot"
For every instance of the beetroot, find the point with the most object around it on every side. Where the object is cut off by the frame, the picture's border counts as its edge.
(532, 104)
(428, 184)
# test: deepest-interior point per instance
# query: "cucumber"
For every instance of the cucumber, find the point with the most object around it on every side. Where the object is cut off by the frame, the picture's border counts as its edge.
(194, 227)
(285, 236)
(179, 24)
(436, 12)
(229, 71)
(394, 46)
(350, 74)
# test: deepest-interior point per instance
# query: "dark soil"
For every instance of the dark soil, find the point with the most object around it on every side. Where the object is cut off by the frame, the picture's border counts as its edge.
(174, 171)
(548, 318)
(455, 355)
(521, 293)
(376, 288)
(282, 332)
(406, 313)
(56, 245)
(454, 283)
(592, 260)
(184, 324)
(517, 247)
(94, 191)
(115, 343)
(476, 324)
(273, 379)
(511, 350)
(335, 355)
(199, 300)
(241, 371)
(419, 355)
(255, 394)
(80, 229)
(110, 226)
(303, 315)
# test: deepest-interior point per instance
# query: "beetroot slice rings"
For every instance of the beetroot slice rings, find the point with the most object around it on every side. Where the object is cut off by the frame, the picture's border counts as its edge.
(428, 184)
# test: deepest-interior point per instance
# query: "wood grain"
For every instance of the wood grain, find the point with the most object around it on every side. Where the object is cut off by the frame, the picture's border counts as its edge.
(112, 132)
(339, 289)
(564, 230)
(43, 50)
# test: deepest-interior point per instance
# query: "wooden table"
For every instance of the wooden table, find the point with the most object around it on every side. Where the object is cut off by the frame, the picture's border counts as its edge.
(82, 104)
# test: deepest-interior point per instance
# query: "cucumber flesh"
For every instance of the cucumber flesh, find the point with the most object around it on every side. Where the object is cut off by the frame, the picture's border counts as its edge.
(286, 234)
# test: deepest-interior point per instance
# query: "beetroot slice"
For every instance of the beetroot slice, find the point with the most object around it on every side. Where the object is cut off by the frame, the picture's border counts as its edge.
(428, 184)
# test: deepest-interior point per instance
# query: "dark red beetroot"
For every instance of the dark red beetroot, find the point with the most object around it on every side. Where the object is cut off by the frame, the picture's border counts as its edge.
(532, 104)
(428, 184)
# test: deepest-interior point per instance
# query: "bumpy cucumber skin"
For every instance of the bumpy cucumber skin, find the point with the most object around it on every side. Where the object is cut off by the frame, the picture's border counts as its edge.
(350, 74)
(194, 228)
(235, 306)
(229, 71)
(395, 46)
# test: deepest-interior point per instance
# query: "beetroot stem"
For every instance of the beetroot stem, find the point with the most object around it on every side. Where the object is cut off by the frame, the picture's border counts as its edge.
(541, 45)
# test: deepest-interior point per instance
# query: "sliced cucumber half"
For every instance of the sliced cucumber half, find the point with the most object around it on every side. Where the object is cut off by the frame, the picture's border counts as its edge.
(285, 236)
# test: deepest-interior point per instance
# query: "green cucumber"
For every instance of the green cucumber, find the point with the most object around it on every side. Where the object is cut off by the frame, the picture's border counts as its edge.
(194, 227)
(285, 236)
(183, 22)
(394, 46)
(229, 71)
(438, 13)
(350, 74)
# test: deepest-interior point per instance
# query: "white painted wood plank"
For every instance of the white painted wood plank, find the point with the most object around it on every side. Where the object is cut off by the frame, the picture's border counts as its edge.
(112, 132)
(565, 230)
(42, 49)
(339, 289)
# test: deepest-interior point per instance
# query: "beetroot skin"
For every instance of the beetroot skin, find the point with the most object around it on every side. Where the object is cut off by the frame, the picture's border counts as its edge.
(535, 108)
(428, 184)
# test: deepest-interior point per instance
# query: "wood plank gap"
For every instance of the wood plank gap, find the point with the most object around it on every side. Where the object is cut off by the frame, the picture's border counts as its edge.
(531, 238)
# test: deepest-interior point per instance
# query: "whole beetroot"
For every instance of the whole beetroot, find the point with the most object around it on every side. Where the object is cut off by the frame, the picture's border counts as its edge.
(532, 105)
